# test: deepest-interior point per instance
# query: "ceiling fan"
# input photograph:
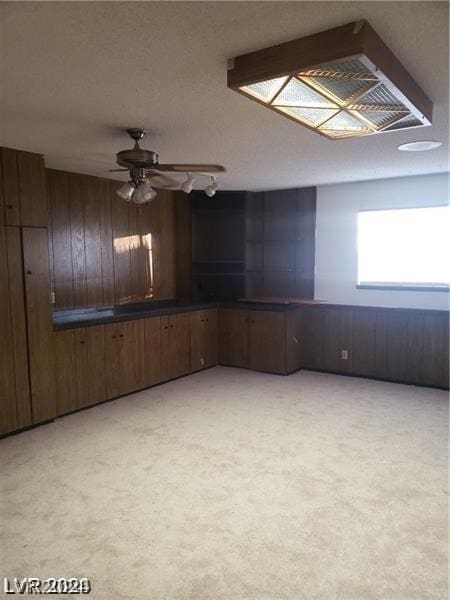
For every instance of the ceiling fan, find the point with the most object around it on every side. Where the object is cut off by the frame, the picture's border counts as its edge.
(146, 173)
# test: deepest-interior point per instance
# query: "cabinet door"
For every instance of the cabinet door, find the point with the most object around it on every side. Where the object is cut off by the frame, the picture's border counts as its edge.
(79, 368)
(268, 341)
(175, 345)
(94, 338)
(233, 337)
(296, 340)
(119, 355)
(203, 339)
(39, 321)
(65, 371)
(15, 408)
(179, 328)
(147, 352)
(152, 350)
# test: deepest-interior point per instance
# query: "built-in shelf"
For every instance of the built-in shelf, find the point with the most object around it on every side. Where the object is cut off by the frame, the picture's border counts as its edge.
(218, 245)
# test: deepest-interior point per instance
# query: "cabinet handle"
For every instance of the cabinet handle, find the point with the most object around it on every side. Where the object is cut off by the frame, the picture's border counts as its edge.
(171, 326)
(81, 341)
(113, 337)
(29, 272)
(121, 335)
(9, 206)
(166, 327)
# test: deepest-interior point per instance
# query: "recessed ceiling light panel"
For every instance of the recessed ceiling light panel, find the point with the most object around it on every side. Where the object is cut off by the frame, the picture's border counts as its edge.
(341, 83)
(420, 146)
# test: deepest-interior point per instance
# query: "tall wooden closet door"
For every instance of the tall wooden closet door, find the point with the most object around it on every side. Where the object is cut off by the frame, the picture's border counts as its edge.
(15, 409)
(40, 338)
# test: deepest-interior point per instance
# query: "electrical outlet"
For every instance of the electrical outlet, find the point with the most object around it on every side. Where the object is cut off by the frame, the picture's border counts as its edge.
(344, 354)
(202, 361)
(52, 298)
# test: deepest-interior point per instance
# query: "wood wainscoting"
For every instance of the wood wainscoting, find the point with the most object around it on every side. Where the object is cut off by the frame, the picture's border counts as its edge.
(402, 345)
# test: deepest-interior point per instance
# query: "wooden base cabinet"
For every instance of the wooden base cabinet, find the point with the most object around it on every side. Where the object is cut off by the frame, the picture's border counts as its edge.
(260, 340)
(175, 345)
(120, 362)
(203, 328)
(147, 352)
(233, 337)
(80, 368)
(267, 341)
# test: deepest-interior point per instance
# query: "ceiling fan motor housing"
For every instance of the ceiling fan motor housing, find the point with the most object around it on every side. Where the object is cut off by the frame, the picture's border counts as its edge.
(137, 157)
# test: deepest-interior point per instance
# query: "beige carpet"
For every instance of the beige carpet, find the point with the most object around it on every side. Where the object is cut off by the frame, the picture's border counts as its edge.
(234, 485)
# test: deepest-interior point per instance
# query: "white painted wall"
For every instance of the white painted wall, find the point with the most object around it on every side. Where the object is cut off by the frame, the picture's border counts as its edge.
(336, 234)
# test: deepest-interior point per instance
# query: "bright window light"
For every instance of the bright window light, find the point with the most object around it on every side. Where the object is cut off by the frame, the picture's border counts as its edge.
(404, 247)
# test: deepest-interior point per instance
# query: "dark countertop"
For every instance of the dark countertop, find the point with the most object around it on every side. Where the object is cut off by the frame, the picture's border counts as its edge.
(82, 317)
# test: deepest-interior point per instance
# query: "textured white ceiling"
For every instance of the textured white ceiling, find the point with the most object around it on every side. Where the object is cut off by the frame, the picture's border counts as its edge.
(73, 74)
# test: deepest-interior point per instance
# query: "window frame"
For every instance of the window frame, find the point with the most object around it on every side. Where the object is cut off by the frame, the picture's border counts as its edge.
(392, 285)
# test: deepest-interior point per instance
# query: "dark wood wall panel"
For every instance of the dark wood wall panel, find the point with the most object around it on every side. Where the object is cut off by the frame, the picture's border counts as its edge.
(435, 369)
(121, 246)
(106, 245)
(32, 190)
(105, 251)
(61, 242)
(77, 231)
(404, 345)
(92, 240)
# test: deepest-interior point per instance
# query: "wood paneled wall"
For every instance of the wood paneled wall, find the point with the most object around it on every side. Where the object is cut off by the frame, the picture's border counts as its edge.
(105, 251)
(404, 345)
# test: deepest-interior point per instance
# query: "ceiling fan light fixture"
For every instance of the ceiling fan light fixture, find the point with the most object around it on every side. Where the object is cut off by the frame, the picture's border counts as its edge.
(211, 189)
(188, 184)
(126, 191)
(343, 82)
(147, 173)
(144, 193)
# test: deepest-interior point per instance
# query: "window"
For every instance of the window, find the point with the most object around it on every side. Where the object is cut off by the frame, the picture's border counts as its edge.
(404, 248)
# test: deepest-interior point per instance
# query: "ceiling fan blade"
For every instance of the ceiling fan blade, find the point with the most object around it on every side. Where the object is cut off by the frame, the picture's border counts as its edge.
(117, 170)
(190, 168)
(160, 180)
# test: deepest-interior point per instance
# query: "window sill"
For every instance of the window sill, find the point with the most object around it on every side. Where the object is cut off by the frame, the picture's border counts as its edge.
(402, 288)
